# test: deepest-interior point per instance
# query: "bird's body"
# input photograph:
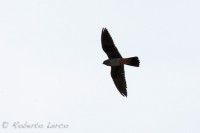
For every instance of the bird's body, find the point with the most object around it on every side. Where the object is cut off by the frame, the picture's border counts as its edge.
(116, 61)
(113, 62)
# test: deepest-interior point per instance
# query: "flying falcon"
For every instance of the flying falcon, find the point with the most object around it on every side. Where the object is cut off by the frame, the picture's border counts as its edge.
(116, 61)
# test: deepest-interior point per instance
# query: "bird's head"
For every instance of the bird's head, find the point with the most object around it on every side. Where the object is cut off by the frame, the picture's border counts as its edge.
(106, 62)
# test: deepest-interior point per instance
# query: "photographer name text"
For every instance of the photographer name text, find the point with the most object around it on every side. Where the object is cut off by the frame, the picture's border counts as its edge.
(33, 125)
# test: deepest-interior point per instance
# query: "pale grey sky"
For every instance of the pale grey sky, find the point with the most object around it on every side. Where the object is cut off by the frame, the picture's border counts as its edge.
(51, 65)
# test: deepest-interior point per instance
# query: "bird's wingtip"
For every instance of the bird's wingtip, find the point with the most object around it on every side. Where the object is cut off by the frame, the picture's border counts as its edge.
(104, 28)
(124, 94)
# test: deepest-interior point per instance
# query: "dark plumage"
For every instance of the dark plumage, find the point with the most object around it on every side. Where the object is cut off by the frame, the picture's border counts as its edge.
(117, 72)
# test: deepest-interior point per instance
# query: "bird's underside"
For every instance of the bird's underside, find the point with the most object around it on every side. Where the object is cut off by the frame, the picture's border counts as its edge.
(116, 62)
(133, 61)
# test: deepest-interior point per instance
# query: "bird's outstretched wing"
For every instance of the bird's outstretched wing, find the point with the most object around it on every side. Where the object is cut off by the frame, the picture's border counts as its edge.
(108, 45)
(118, 76)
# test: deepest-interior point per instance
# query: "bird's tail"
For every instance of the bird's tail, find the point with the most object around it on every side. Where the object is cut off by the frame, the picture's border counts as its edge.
(133, 61)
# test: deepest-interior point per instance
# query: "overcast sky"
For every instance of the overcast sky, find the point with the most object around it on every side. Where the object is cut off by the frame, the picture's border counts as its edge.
(51, 66)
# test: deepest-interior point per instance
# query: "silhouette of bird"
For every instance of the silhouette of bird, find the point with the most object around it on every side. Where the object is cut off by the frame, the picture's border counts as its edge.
(116, 62)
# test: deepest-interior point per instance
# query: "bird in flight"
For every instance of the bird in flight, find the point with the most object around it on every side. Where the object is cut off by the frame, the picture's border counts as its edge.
(116, 62)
